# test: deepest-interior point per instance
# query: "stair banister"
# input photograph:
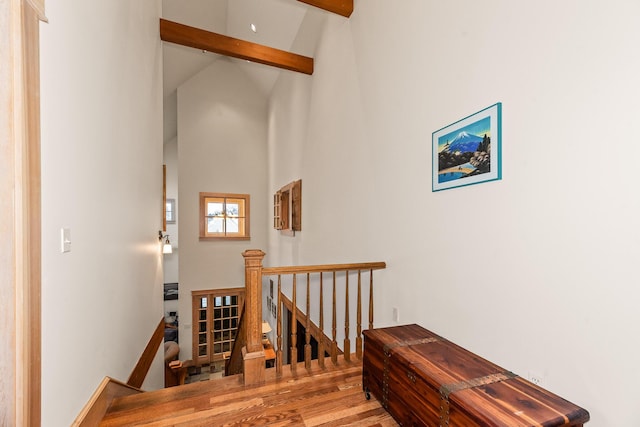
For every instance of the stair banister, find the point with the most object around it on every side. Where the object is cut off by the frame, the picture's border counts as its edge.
(253, 352)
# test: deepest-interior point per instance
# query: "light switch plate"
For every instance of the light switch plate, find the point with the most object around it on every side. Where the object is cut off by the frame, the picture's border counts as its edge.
(65, 240)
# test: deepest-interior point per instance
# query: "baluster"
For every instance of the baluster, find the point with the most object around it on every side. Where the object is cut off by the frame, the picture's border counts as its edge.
(359, 319)
(321, 321)
(347, 341)
(307, 334)
(371, 299)
(293, 360)
(334, 342)
(279, 329)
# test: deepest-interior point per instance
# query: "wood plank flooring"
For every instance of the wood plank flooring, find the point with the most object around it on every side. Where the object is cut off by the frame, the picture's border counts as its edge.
(332, 397)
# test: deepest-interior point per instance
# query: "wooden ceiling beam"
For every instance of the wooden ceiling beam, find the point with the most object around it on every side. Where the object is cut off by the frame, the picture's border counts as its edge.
(341, 7)
(197, 38)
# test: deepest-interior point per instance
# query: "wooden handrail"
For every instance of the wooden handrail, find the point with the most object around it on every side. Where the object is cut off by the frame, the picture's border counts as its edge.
(141, 369)
(323, 268)
(110, 389)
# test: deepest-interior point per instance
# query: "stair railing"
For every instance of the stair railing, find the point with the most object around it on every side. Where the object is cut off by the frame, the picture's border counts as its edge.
(141, 369)
(110, 389)
(315, 275)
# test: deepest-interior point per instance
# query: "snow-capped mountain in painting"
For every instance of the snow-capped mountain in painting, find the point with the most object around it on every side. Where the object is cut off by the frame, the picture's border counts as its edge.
(464, 142)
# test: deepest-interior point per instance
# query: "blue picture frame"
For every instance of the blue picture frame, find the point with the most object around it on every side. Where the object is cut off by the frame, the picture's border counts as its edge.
(468, 151)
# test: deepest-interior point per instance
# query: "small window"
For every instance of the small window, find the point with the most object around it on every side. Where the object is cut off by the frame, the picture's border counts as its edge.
(170, 210)
(224, 216)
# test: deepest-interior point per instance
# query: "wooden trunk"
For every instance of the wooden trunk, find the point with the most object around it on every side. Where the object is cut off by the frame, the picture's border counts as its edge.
(424, 380)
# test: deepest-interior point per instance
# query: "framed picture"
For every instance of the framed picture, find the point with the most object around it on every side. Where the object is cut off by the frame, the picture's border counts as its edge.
(170, 291)
(468, 151)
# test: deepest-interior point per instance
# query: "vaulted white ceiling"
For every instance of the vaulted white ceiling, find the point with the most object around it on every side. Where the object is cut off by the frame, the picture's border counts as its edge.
(277, 23)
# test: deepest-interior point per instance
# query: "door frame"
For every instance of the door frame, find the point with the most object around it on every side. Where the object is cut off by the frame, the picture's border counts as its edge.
(210, 294)
(20, 216)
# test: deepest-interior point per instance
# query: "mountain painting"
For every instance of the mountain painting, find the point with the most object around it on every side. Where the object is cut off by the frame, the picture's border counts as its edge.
(463, 152)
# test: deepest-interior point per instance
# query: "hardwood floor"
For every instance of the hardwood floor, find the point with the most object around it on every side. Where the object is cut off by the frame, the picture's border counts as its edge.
(333, 397)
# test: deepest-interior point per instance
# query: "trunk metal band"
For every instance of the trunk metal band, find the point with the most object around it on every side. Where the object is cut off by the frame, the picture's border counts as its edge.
(390, 346)
(447, 389)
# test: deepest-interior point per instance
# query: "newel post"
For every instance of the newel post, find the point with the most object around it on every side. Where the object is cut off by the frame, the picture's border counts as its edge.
(253, 353)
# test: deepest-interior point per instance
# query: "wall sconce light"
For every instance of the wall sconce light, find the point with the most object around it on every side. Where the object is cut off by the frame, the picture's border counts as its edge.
(166, 247)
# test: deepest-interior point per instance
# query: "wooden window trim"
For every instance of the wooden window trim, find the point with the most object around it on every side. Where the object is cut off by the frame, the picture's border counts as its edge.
(219, 292)
(203, 216)
(287, 208)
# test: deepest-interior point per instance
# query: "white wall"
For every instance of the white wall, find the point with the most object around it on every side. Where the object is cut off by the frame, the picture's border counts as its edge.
(535, 272)
(101, 178)
(222, 146)
(171, 261)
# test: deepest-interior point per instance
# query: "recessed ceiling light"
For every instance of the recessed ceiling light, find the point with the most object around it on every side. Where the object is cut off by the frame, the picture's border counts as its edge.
(253, 28)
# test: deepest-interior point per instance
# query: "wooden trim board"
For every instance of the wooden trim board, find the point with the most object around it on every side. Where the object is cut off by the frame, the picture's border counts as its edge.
(197, 38)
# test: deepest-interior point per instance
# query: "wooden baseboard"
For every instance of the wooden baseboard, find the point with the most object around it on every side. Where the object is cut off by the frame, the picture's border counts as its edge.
(95, 409)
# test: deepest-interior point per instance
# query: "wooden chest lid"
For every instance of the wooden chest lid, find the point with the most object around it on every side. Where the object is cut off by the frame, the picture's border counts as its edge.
(481, 390)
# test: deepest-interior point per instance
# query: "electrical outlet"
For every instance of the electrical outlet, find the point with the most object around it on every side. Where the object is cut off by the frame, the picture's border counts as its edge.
(537, 379)
(396, 315)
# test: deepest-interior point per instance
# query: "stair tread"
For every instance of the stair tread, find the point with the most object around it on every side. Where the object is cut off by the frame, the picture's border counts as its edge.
(308, 394)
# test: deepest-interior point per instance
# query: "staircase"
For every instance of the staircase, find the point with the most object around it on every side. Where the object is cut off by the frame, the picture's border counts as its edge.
(314, 397)
(313, 280)
(309, 393)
